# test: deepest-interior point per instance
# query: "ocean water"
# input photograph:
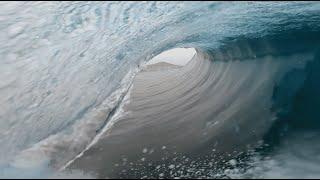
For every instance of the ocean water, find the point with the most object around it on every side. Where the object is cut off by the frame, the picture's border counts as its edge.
(68, 70)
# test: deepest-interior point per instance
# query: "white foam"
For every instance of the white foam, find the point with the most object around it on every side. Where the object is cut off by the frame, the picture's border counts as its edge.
(61, 147)
(119, 113)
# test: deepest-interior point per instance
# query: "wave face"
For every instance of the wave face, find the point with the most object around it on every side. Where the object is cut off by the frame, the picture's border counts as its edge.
(68, 69)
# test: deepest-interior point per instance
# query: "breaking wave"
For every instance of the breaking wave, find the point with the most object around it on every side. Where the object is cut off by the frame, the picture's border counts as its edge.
(74, 94)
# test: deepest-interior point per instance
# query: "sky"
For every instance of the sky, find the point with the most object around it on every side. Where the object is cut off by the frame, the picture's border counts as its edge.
(176, 56)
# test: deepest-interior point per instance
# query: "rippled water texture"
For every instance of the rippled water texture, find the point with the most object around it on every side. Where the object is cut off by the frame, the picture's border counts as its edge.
(73, 91)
